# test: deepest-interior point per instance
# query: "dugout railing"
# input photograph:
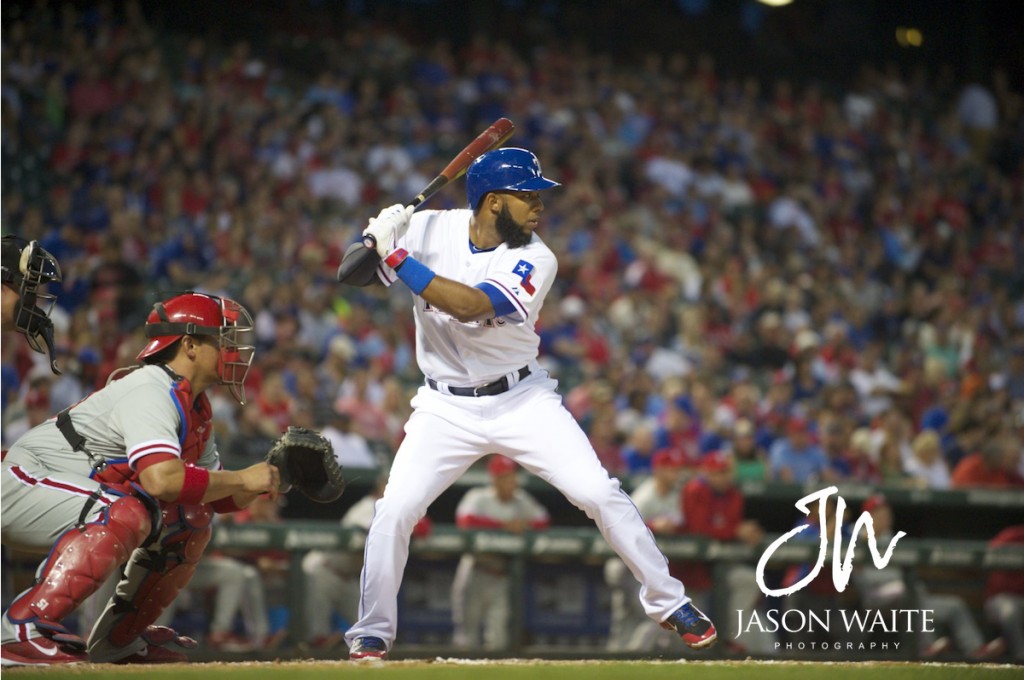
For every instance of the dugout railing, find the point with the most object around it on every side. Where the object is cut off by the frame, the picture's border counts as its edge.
(569, 554)
(970, 513)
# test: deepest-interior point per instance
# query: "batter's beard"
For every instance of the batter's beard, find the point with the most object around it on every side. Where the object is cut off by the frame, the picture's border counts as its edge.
(510, 231)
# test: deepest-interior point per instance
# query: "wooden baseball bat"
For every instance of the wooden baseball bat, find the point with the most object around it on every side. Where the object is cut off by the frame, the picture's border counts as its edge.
(491, 138)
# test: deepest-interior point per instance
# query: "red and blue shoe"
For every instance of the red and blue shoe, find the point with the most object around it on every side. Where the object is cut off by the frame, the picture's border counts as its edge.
(368, 647)
(692, 625)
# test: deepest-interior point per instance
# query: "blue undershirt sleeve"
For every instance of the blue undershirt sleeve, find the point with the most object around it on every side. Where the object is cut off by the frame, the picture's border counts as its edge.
(502, 305)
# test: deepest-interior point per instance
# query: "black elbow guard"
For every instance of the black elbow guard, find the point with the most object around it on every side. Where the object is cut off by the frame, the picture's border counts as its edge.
(359, 266)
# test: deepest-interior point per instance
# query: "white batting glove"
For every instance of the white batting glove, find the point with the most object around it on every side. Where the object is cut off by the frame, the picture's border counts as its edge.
(389, 226)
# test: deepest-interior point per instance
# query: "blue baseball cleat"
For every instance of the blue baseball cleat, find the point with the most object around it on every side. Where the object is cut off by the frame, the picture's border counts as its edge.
(692, 625)
(368, 647)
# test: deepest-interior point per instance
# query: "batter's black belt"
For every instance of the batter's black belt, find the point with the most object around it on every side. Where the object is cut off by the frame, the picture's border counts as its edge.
(497, 387)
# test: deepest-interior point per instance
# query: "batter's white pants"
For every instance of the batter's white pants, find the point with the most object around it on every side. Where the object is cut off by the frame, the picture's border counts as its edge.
(447, 434)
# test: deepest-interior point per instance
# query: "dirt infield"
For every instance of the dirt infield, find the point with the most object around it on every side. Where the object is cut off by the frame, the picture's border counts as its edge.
(523, 669)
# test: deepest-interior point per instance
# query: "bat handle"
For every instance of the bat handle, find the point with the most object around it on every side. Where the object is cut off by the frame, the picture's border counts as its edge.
(371, 243)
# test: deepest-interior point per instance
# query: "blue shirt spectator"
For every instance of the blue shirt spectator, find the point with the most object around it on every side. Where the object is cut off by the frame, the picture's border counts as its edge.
(796, 458)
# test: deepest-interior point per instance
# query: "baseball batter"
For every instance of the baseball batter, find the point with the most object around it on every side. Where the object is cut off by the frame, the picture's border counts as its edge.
(479, 277)
(480, 592)
(130, 474)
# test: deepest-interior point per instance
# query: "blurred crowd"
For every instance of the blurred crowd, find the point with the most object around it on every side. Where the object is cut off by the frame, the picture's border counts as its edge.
(822, 279)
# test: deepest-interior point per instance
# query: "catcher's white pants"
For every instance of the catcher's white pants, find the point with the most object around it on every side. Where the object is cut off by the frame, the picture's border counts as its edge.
(445, 435)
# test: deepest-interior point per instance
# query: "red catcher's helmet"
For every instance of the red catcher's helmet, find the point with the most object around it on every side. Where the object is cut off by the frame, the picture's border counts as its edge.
(198, 314)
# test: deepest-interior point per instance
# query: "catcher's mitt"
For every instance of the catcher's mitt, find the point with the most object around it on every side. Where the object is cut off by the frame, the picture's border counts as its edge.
(306, 461)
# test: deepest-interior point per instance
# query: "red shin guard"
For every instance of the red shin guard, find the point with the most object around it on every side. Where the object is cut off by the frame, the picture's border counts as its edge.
(153, 580)
(81, 560)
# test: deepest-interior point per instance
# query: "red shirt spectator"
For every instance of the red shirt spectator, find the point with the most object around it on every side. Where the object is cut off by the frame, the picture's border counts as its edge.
(995, 466)
(274, 402)
(1009, 581)
(713, 507)
(92, 94)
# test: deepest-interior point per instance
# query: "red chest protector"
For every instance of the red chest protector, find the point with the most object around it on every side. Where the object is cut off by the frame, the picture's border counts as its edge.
(197, 414)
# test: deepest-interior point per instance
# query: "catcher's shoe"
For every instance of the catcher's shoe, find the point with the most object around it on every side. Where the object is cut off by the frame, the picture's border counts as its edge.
(153, 654)
(368, 647)
(162, 635)
(692, 625)
(40, 651)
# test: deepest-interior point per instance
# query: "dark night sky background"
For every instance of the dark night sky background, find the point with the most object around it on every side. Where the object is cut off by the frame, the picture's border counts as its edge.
(822, 40)
(809, 39)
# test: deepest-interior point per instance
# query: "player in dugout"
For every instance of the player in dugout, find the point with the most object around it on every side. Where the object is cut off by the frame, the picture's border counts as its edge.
(129, 476)
(479, 276)
(481, 607)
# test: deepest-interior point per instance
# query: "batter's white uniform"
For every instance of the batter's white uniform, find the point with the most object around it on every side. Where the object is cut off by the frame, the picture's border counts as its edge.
(528, 423)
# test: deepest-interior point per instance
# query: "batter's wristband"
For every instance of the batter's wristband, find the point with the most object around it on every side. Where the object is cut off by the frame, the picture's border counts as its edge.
(414, 274)
(197, 480)
(396, 258)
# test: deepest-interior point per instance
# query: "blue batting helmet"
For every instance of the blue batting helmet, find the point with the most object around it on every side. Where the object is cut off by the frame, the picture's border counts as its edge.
(508, 169)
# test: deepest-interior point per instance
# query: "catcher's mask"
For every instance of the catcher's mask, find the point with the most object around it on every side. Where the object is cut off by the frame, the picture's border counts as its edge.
(26, 267)
(209, 316)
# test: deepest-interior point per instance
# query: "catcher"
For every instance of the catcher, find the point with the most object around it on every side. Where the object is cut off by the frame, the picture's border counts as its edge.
(131, 476)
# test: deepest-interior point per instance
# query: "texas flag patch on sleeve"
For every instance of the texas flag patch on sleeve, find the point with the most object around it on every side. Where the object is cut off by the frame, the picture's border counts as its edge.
(524, 270)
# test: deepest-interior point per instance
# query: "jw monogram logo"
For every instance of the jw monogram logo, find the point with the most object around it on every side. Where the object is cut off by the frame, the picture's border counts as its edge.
(841, 569)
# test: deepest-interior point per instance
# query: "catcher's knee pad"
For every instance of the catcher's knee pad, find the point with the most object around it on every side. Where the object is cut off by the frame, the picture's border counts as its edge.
(82, 559)
(156, 574)
(186, 530)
